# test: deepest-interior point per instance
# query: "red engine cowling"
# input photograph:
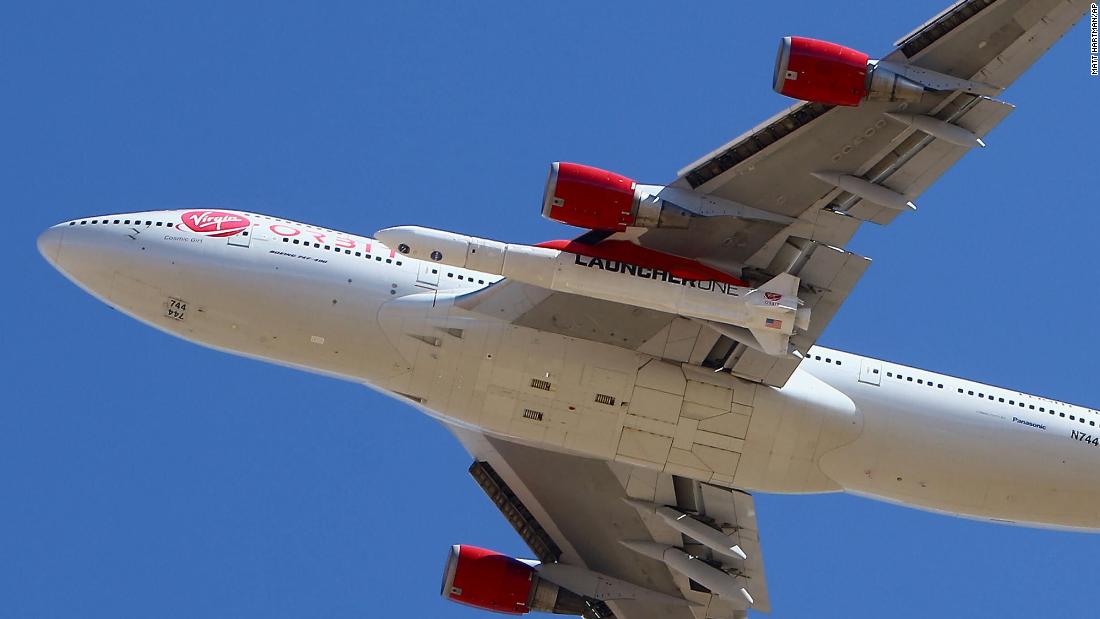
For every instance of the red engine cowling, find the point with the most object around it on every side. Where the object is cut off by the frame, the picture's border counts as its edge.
(491, 581)
(825, 72)
(488, 580)
(820, 71)
(588, 197)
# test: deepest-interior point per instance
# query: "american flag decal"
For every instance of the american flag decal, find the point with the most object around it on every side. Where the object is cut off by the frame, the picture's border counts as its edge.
(772, 323)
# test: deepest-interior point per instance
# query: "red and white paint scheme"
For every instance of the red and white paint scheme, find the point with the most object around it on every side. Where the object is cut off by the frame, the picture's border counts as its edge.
(215, 223)
(623, 394)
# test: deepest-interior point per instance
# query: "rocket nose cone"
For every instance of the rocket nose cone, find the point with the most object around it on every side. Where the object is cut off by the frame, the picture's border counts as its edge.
(394, 238)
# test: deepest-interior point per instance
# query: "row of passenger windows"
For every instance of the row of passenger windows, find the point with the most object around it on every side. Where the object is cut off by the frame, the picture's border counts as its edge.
(1041, 409)
(919, 381)
(460, 278)
(368, 256)
(1010, 402)
(136, 222)
(937, 385)
(357, 254)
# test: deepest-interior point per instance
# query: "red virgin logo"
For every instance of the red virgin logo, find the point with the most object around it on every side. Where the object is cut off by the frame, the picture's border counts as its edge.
(214, 223)
(772, 296)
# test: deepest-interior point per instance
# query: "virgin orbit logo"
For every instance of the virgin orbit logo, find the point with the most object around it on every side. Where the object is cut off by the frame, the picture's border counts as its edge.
(215, 223)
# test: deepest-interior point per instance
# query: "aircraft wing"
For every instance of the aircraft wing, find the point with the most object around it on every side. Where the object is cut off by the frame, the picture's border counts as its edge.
(798, 217)
(571, 511)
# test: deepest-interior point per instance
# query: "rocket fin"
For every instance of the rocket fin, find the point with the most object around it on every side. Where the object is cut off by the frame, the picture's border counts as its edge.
(784, 284)
(765, 340)
(772, 342)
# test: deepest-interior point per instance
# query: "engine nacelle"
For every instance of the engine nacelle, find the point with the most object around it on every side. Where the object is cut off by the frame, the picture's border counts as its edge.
(825, 72)
(492, 581)
(589, 197)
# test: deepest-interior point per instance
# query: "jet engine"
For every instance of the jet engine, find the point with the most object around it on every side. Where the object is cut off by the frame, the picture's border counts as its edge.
(825, 72)
(492, 581)
(589, 197)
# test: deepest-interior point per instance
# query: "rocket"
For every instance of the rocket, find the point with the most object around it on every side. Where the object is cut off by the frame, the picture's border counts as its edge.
(763, 318)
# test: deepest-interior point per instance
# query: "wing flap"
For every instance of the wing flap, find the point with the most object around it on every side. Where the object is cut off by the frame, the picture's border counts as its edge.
(578, 505)
(772, 168)
(992, 41)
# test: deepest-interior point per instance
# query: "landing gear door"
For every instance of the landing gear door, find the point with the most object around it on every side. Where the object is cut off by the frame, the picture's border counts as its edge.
(427, 275)
(870, 372)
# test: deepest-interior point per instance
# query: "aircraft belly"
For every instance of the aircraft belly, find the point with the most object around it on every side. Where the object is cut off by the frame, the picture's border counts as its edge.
(578, 396)
(246, 307)
(967, 463)
(792, 429)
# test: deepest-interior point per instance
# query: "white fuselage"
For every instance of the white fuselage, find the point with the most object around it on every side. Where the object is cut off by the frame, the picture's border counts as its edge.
(347, 306)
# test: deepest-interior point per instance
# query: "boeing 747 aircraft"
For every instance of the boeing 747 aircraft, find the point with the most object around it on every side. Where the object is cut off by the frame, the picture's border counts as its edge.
(624, 392)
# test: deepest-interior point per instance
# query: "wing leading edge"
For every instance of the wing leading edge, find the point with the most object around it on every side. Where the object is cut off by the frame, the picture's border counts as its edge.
(815, 165)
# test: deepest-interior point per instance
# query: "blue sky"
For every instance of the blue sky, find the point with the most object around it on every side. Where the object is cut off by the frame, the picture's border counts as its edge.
(144, 476)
